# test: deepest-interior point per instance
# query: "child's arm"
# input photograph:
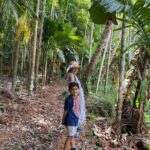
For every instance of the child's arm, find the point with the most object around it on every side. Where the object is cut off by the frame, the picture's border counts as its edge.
(64, 116)
(66, 108)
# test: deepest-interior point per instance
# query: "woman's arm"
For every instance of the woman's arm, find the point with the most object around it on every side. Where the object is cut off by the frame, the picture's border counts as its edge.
(71, 77)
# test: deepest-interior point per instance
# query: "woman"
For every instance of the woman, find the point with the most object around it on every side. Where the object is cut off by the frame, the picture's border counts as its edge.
(72, 71)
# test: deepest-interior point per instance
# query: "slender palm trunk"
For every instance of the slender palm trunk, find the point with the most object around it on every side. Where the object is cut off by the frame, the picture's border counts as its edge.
(91, 41)
(45, 70)
(130, 42)
(1, 66)
(102, 63)
(15, 65)
(24, 59)
(66, 10)
(85, 32)
(121, 79)
(104, 71)
(52, 9)
(81, 65)
(142, 98)
(142, 74)
(108, 63)
(31, 80)
(38, 52)
(22, 62)
(98, 52)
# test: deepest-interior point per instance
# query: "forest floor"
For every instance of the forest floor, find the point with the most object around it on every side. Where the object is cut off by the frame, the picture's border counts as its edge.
(34, 123)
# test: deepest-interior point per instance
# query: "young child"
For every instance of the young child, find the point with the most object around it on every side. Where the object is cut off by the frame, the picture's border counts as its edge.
(71, 115)
(71, 76)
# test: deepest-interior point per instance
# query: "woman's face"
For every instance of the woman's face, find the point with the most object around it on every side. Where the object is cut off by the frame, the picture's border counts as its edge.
(75, 70)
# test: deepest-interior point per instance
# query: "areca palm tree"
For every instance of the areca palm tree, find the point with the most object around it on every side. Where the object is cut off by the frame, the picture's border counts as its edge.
(18, 12)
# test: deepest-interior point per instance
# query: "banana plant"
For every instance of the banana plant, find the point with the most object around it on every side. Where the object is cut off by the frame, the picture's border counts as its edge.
(137, 16)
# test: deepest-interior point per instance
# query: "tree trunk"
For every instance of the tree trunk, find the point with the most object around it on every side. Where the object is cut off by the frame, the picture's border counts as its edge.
(98, 51)
(52, 9)
(103, 58)
(133, 117)
(129, 51)
(91, 41)
(121, 79)
(45, 70)
(108, 63)
(38, 50)
(66, 10)
(1, 66)
(15, 65)
(22, 62)
(142, 99)
(142, 65)
(31, 80)
(85, 32)
(111, 58)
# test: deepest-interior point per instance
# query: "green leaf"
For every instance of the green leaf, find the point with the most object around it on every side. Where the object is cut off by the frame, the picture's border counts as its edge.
(112, 6)
(136, 44)
(13, 9)
(138, 4)
(72, 32)
(118, 29)
(74, 38)
(99, 14)
(144, 87)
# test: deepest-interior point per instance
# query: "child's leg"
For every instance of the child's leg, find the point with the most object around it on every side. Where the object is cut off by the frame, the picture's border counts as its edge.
(72, 142)
(70, 139)
(67, 143)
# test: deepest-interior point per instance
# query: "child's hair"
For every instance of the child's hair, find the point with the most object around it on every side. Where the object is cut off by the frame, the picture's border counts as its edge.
(72, 84)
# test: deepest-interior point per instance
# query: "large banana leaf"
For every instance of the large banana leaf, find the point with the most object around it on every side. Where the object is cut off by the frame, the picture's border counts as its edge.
(112, 6)
(99, 14)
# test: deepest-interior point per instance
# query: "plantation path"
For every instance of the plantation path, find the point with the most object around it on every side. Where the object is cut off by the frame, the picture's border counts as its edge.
(54, 97)
(35, 123)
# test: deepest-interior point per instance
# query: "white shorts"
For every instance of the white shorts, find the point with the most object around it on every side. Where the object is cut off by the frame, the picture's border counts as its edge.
(71, 130)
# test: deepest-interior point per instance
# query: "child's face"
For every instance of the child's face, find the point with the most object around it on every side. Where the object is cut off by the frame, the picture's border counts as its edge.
(74, 91)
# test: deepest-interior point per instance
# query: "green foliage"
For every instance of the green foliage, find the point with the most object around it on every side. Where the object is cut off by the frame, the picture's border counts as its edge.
(92, 116)
(98, 148)
(66, 36)
(98, 13)
(83, 3)
(50, 27)
(147, 114)
(63, 33)
(144, 87)
(103, 104)
(112, 6)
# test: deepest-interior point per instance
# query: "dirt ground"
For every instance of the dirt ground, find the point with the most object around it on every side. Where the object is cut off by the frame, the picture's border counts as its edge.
(34, 123)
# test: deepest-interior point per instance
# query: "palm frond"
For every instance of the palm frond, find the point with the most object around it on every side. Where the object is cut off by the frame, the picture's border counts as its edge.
(12, 7)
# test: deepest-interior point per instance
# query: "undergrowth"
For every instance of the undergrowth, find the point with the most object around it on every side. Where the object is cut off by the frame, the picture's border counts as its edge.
(102, 104)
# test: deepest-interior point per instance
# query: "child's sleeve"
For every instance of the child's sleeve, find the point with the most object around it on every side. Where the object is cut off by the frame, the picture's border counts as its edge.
(66, 105)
